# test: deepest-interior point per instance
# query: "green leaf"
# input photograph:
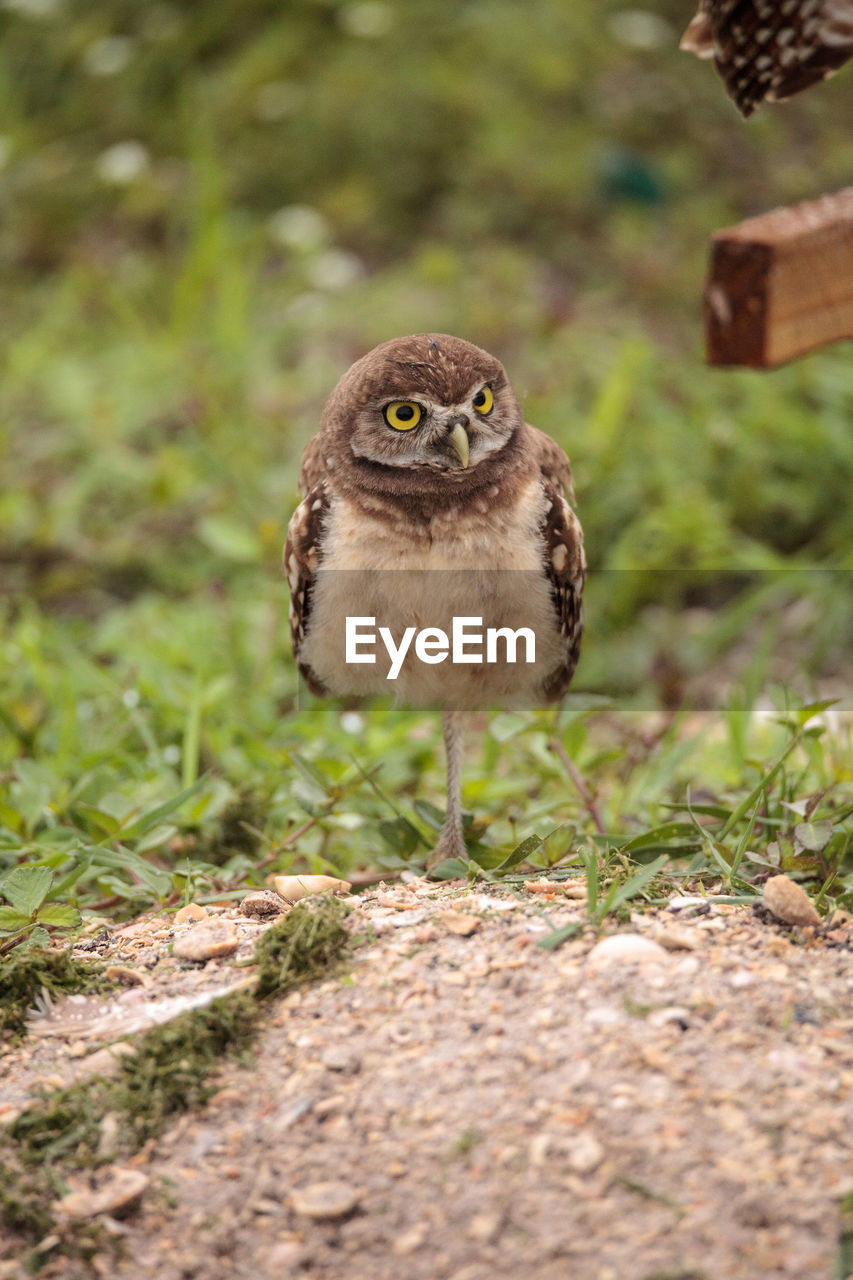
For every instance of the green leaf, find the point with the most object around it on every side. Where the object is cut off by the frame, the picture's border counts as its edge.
(229, 538)
(129, 865)
(814, 836)
(27, 887)
(761, 786)
(485, 858)
(632, 888)
(59, 915)
(11, 818)
(557, 937)
(589, 858)
(400, 835)
(429, 814)
(311, 773)
(506, 724)
(11, 920)
(520, 853)
(669, 831)
(192, 736)
(804, 714)
(153, 818)
(105, 822)
(450, 869)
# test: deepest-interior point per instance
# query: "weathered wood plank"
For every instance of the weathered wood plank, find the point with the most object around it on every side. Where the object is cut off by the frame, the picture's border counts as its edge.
(781, 284)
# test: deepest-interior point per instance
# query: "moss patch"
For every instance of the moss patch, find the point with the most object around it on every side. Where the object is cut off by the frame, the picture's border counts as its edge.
(300, 946)
(171, 1072)
(25, 974)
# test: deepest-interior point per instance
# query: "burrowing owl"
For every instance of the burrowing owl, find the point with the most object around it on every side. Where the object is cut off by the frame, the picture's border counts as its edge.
(428, 499)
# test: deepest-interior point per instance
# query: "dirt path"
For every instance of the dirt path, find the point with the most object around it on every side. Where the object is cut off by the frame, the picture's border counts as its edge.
(490, 1109)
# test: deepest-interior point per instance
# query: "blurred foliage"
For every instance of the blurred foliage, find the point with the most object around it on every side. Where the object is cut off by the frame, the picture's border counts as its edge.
(206, 212)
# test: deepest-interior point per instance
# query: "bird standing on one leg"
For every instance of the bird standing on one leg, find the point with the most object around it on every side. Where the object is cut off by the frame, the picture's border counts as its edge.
(428, 499)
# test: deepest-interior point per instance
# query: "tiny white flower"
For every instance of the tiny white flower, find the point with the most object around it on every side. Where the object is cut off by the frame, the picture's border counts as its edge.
(348, 821)
(368, 19)
(297, 226)
(122, 163)
(352, 722)
(107, 56)
(131, 698)
(306, 308)
(276, 100)
(32, 8)
(334, 269)
(172, 754)
(640, 29)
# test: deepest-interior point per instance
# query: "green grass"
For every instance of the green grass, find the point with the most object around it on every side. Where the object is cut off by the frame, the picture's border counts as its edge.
(169, 341)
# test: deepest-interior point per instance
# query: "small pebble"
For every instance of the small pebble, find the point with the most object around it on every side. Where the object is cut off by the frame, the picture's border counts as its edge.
(340, 1058)
(463, 925)
(625, 948)
(585, 1153)
(410, 1241)
(107, 1062)
(406, 919)
(263, 904)
(293, 888)
(675, 940)
(789, 902)
(207, 940)
(110, 1133)
(124, 974)
(282, 1258)
(121, 1192)
(672, 1013)
(325, 1200)
(485, 1227)
(192, 911)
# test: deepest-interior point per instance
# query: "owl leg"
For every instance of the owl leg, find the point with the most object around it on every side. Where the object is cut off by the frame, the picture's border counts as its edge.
(451, 843)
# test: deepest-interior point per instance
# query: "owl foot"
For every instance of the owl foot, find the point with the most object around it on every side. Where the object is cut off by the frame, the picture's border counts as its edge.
(451, 844)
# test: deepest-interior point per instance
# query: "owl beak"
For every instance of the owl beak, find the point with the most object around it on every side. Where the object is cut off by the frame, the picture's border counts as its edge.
(458, 441)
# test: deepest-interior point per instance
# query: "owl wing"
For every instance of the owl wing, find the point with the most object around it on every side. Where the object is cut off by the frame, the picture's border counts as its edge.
(300, 562)
(771, 52)
(565, 562)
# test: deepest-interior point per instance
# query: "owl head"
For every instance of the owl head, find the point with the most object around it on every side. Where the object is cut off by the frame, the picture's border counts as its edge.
(426, 409)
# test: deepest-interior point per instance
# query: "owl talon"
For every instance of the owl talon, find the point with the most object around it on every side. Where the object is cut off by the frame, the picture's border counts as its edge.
(450, 845)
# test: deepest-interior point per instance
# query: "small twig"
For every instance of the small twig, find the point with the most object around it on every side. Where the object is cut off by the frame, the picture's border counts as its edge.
(9, 943)
(284, 845)
(582, 789)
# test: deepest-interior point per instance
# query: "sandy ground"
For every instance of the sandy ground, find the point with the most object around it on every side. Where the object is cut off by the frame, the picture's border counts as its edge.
(483, 1108)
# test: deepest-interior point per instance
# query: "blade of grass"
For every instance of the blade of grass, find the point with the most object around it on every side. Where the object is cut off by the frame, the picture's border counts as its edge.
(619, 893)
(761, 786)
(192, 735)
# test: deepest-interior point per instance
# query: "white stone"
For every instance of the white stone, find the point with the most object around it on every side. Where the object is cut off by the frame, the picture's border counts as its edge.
(626, 948)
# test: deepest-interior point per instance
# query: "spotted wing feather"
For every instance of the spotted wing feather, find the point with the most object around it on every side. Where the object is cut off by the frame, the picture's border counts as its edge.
(563, 553)
(302, 555)
(565, 565)
(769, 50)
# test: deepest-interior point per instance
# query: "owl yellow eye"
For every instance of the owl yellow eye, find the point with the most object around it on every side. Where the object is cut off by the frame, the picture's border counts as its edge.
(402, 415)
(484, 401)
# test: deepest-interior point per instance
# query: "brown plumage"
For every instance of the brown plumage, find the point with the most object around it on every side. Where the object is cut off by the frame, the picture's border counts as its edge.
(769, 50)
(427, 497)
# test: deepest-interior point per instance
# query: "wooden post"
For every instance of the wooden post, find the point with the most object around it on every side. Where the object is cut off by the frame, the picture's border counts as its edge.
(781, 284)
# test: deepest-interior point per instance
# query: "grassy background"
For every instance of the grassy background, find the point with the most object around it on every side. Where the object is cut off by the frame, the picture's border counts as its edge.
(208, 211)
